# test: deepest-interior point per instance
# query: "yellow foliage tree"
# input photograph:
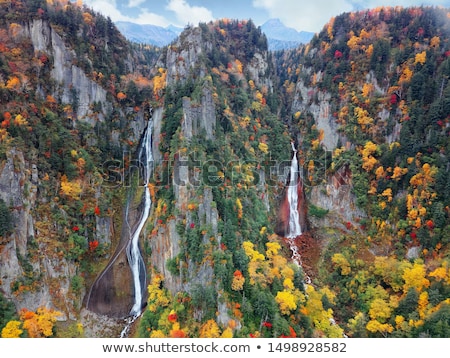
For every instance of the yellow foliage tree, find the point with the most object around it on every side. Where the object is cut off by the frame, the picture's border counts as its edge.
(287, 272)
(13, 83)
(239, 208)
(340, 261)
(286, 301)
(425, 177)
(239, 66)
(388, 194)
(157, 295)
(415, 277)
(227, 333)
(440, 273)
(363, 117)
(252, 254)
(379, 172)
(369, 161)
(288, 284)
(376, 326)
(380, 310)
(422, 305)
(210, 329)
(157, 333)
(263, 147)
(367, 89)
(159, 82)
(435, 42)
(272, 249)
(322, 318)
(12, 330)
(15, 29)
(399, 172)
(406, 76)
(88, 18)
(354, 42)
(391, 271)
(420, 58)
(72, 189)
(256, 264)
(19, 120)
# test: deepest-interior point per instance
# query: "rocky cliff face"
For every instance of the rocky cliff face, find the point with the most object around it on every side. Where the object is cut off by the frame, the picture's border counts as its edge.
(32, 275)
(183, 57)
(318, 103)
(73, 86)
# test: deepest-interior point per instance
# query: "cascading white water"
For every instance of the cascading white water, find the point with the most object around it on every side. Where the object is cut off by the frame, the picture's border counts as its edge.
(295, 229)
(294, 222)
(134, 255)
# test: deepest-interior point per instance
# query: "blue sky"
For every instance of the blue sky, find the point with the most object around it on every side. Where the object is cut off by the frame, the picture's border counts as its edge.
(306, 15)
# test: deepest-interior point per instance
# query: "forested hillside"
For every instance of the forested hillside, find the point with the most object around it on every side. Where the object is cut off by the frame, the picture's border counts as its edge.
(370, 98)
(367, 105)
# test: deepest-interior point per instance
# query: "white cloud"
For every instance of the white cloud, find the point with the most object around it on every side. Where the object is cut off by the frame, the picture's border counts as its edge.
(109, 8)
(106, 8)
(135, 3)
(146, 17)
(186, 13)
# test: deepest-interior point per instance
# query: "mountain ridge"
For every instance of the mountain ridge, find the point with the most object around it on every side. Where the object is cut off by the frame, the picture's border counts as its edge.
(279, 36)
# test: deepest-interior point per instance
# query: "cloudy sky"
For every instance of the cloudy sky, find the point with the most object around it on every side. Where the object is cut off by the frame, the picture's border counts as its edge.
(306, 15)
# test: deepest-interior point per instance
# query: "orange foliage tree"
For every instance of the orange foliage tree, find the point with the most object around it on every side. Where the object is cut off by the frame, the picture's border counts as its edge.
(39, 324)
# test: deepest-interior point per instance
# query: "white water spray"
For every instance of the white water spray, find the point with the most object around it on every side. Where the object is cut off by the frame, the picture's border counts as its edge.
(294, 222)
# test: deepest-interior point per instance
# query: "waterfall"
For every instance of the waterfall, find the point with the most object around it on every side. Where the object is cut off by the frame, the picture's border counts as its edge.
(133, 252)
(134, 255)
(295, 229)
(292, 193)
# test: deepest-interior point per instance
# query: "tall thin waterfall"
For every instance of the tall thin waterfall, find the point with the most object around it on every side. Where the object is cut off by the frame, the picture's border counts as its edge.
(295, 229)
(133, 252)
(294, 222)
(134, 255)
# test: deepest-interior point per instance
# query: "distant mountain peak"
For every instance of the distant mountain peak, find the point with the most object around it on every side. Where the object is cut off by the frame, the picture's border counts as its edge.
(274, 22)
(280, 36)
(175, 29)
(148, 34)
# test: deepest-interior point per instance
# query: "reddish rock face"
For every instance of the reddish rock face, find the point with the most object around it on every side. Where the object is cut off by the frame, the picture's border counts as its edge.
(310, 251)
